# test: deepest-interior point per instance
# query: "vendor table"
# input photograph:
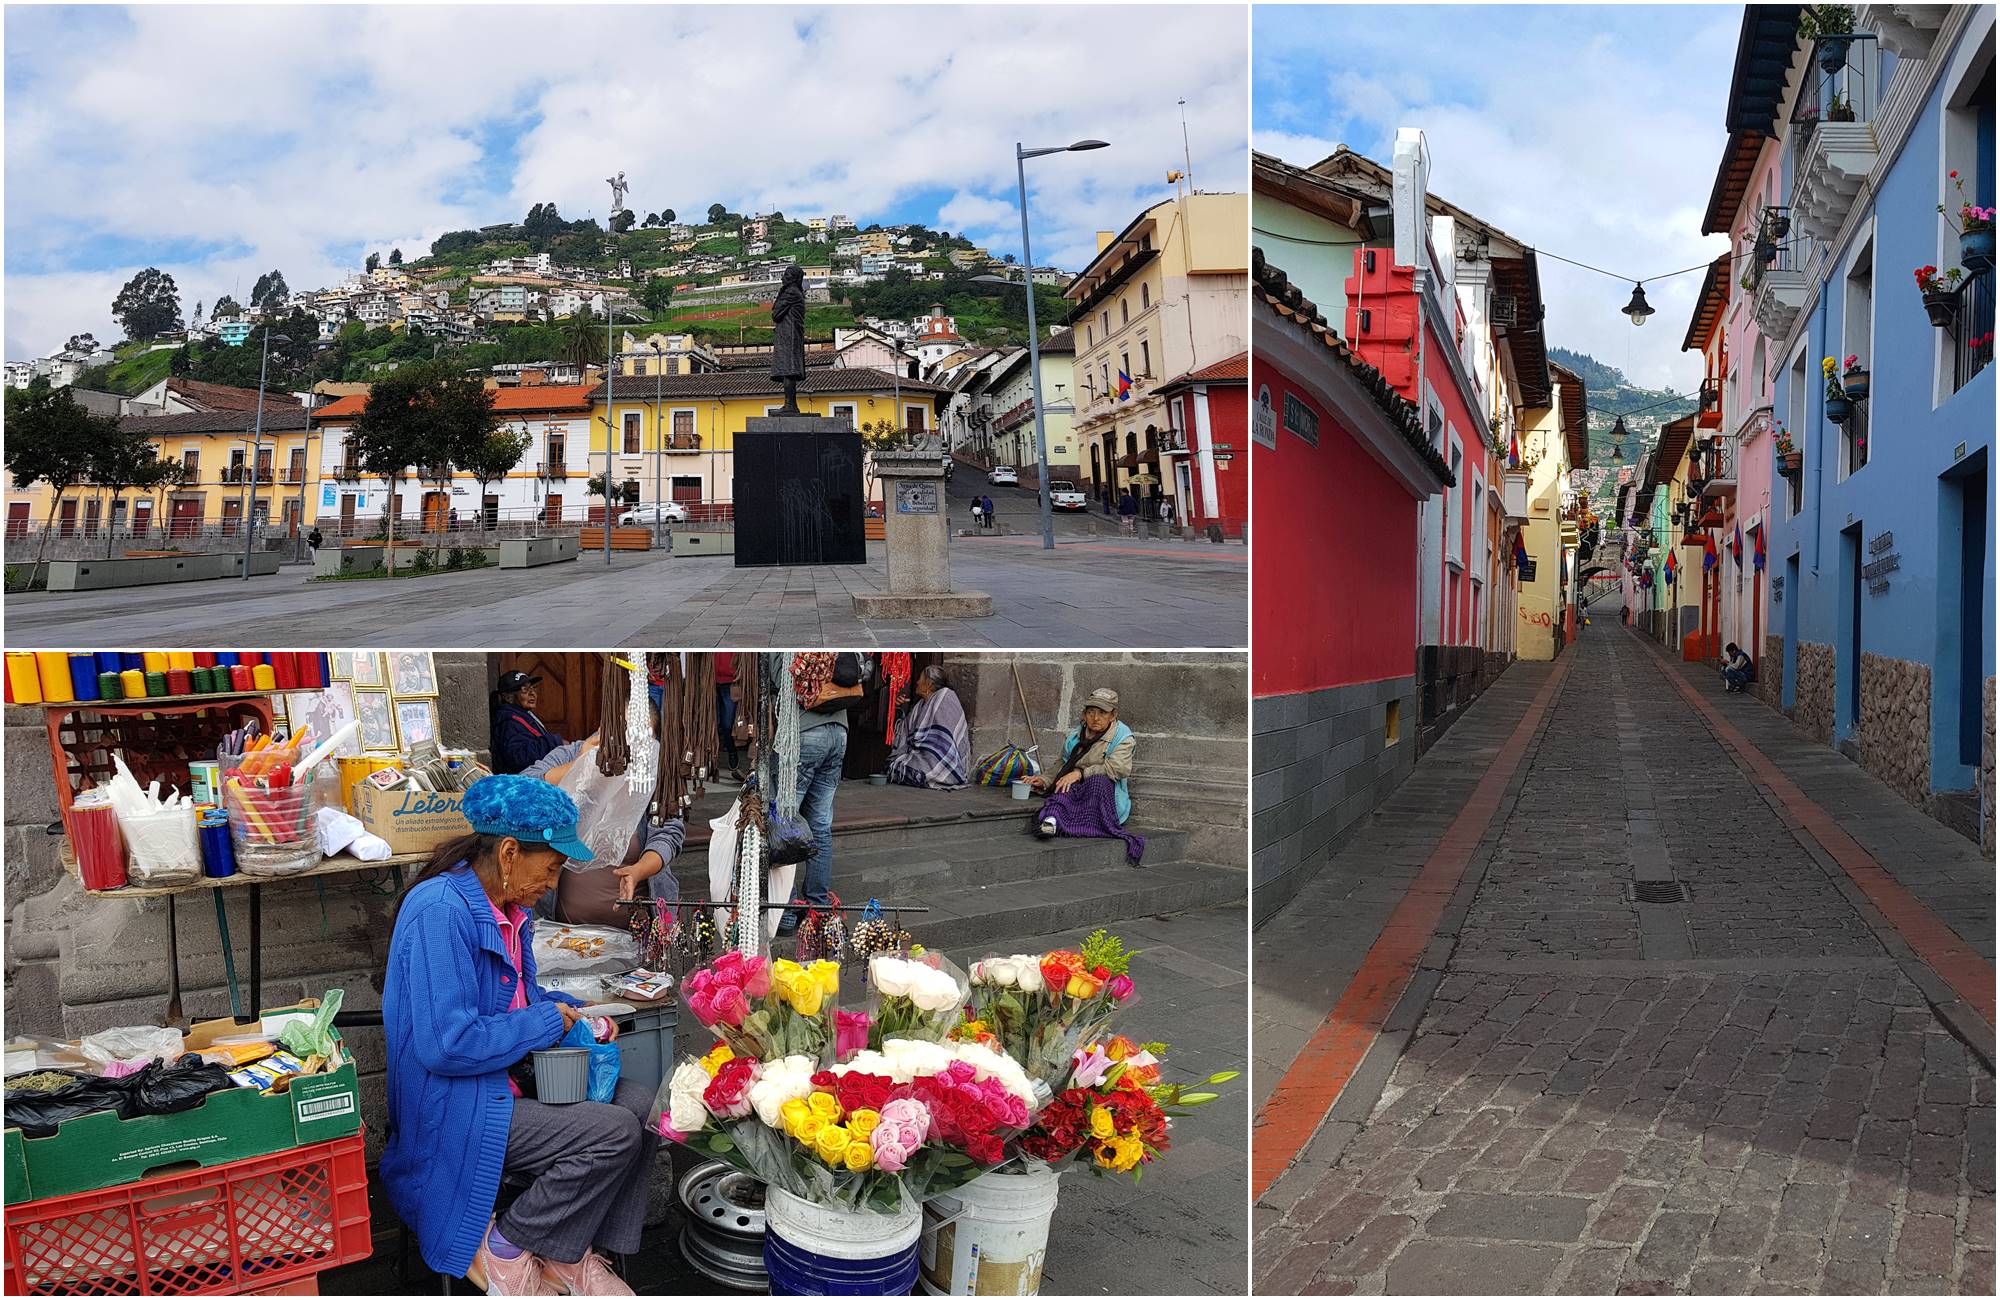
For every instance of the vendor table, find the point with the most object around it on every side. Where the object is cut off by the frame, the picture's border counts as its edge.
(338, 865)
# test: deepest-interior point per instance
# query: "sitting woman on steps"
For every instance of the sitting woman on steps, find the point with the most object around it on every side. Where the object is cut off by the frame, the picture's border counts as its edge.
(1090, 796)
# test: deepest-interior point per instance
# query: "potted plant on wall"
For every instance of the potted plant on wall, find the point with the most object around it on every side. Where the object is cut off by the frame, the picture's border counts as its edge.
(1940, 294)
(1832, 26)
(1839, 407)
(1789, 457)
(1854, 379)
(1840, 110)
(1975, 230)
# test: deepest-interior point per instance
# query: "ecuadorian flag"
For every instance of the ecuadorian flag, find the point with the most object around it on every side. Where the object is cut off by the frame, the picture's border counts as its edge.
(1757, 556)
(1709, 559)
(1671, 566)
(1736, 546)
(1124, 387)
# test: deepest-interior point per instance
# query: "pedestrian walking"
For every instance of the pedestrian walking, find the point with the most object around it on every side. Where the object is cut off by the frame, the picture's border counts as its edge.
(986, 511)
(314, 539)
(978, 515)
(1128, 512)
(822, 752)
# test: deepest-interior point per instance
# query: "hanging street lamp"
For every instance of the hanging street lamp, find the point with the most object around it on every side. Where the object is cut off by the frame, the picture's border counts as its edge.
(1638, 309)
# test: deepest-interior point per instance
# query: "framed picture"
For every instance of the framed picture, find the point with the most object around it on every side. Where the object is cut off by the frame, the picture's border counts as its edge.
(325, 711)
(416, 722)
(367, 670)
(378, 721)
(343, 665)
(411, 672)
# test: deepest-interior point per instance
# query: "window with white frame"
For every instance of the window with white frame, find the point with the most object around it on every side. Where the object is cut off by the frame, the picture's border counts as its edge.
(1857, 326)
(1454, 509)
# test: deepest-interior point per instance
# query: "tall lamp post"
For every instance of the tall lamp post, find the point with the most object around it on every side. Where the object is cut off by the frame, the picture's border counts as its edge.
(257, 448)
(610, 417)
(659, 437)
(1021, 156)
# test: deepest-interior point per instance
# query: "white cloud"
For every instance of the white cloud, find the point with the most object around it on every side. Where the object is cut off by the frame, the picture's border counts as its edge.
(301, 137)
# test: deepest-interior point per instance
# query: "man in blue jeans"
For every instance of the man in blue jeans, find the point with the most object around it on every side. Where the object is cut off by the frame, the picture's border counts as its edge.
(822, 752)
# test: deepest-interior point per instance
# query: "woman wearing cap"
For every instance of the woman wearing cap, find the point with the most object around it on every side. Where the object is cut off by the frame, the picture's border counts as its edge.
(460, 1011)
(518, 737)
(1090, 796)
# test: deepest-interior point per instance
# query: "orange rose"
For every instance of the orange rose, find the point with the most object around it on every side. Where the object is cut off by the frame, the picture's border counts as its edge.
(1058, 967)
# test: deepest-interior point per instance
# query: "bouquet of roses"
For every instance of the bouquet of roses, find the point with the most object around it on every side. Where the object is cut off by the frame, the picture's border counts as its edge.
(1040, 1009)
(765, 1010)
(1116, 1110)
(916, 997)
(910, 1120)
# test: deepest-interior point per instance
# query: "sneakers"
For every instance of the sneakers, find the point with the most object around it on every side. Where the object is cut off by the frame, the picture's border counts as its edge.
(590, 1275)
(521, 1275)
(1047, 830)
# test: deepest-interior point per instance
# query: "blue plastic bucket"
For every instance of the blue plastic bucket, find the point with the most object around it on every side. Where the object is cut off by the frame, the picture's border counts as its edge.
(817, 1250)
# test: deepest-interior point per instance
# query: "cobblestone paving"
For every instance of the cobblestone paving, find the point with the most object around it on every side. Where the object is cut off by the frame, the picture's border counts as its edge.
(1747, 1098)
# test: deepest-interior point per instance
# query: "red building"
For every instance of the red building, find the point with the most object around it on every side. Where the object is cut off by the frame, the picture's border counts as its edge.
(1208, 447)
(1343, 469)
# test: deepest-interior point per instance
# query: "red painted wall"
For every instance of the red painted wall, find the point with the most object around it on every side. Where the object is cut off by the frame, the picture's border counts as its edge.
(1334, 592)
(1229, 428)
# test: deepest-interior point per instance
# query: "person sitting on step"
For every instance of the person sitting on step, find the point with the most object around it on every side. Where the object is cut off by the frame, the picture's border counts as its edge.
(1090, 795)
(1738, 670)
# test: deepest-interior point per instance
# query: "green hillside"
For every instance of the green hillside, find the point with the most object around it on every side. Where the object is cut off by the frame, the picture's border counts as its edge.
(1611, 395)
(138, 368)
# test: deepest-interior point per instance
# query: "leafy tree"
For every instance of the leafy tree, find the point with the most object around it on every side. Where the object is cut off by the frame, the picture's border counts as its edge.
(582, 336)
(52, 440)
(395, 257)
(666, 216)
(421, 415)
(657, 295)
(492, 458)
(270, 292)
(621, 221)
(575, 248)
(182, 365)
(374, 260)
(716, 212)
(85, 343)
(1008, 259)
(455, 241)
(148, 305)
(125, 460)
(599, 485)
(224, 306)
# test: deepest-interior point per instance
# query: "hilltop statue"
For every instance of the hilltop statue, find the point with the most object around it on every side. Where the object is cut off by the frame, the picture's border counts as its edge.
(618, 188)
(788, 342)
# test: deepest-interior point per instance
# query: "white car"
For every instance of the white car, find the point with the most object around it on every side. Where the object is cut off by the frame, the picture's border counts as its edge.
(1063, 495)
(1003, 474)
(667, 512)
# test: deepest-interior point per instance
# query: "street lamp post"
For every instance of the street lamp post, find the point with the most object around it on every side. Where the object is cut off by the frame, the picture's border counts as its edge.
(1021, 156)
(257, 448)
(610, 417)
(659, 439)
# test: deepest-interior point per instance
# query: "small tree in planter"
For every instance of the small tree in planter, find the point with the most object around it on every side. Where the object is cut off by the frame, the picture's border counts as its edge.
(1839, 407)
(124, 461)
(409, 420)
(1828, 24)
(1975, 229)
(1940, 293)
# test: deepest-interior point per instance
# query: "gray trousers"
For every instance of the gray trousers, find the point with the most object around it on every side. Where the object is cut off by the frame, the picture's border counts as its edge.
(590, 1162)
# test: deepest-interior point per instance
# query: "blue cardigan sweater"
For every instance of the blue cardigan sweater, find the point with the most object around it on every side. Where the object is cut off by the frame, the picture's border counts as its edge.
(451, 1038)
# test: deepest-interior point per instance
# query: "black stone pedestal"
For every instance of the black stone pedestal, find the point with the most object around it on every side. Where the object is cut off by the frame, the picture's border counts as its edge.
(798, 494)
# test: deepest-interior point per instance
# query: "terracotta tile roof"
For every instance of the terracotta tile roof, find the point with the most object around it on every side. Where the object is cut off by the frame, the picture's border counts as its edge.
(1275, 289)
(1708, 306)
(225, 397)
(515, 400)
(199, 422)
(1229, 370)
(755, 383)
(1575, 415)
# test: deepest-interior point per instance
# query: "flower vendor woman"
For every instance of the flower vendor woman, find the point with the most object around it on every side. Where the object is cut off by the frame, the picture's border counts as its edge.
(1090, 795)
(460, 1009)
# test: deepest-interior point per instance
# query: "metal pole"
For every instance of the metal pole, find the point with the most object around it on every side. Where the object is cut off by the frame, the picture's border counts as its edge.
(305, 472)
(256, 445)
(1034, 349)
(610, 418)
(659, 443)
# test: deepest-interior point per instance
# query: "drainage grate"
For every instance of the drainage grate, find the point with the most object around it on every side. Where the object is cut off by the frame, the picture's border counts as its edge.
(1658, 891)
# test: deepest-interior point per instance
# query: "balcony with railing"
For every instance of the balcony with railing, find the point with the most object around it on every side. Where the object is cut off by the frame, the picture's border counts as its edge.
(1833, 130)
(1715, 466)
(1775, 273)
(1971, 329)
(554, 469)
(683, 442)
(1710, 410)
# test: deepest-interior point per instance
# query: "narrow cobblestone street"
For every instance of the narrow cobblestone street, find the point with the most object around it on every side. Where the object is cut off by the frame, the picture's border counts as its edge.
(1775, 1080)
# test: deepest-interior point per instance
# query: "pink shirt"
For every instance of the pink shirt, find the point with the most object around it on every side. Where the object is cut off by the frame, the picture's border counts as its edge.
(511, 922)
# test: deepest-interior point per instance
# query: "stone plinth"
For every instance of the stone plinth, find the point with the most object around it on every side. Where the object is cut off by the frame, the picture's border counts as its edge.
(797, 492)
(916, 542)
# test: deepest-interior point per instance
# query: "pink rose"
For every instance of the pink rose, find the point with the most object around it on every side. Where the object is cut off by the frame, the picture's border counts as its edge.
(890, 1154)
(1120, 987)
(757, 977)
(699, 982)
(731, 1006)
(702, 1005)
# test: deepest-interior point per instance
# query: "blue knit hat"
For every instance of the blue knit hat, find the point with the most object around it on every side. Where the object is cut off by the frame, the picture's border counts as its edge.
(527, 808)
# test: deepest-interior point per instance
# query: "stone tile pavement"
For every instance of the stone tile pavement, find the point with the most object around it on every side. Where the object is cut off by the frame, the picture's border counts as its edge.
(1740, 1092)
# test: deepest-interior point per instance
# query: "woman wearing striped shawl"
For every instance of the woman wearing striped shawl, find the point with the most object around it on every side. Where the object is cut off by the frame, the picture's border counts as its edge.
(933, 747)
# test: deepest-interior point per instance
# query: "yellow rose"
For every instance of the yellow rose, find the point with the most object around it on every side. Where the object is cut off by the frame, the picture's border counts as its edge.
(809, 1130)
(784, 969)
(860, 1157)
(1101, 1123)
(832, 1143)
(1128, 1149)
(824, 1106)
(862, 1122)
(716, 1058)
(795, 1112)
(804, 995)
(827, 975)
(1084, 985)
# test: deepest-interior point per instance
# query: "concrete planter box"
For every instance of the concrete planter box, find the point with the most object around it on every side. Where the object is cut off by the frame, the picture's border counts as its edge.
(332, 561)
(147, 571)
(687, 541)
(532, 552)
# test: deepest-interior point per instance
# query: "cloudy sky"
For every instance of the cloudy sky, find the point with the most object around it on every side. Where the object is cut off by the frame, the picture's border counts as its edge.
(1590, 131)
(221, 142)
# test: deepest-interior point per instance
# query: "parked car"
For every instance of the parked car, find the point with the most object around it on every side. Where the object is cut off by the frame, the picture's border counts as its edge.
(1003, 474)
(665, 512)
(1063, 495)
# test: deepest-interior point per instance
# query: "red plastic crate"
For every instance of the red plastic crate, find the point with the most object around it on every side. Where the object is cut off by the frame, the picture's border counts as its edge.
(247, 1226)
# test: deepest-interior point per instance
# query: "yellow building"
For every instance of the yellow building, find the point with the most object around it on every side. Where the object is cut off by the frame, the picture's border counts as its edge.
(685, 440)
(1554, 440)
(1165, 296)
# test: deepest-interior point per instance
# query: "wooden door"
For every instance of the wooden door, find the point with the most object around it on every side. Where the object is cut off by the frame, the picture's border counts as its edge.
(142, 519)
(186, 518)
(346, 514)
(436, 504)
(18, 518)
(572, 689)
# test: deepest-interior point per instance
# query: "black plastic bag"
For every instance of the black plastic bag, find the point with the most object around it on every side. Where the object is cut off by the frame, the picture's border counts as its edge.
(162, 1089)
(37, 1113)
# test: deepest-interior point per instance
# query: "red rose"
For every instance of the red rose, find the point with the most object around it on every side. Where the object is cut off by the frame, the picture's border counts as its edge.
(824, 1080)
(863, 1091)
(728, 1093)
(984, 1148)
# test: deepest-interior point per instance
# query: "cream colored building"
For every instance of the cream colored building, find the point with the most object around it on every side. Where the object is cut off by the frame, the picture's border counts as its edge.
(1165, 296)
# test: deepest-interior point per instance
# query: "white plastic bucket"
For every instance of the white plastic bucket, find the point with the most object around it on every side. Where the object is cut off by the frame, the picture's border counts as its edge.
(990, 1236)
(819, 1250)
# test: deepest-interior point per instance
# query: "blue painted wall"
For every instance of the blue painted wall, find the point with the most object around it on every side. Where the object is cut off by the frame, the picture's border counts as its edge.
(1909, 487)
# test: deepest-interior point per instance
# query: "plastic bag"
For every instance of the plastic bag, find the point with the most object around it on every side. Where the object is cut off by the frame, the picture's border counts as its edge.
(162, 1089)
(583, 949)
(136, 1043)
(605, 1063)
(608, 809)
(791, 839)
(310, 1038)
(37, 1114)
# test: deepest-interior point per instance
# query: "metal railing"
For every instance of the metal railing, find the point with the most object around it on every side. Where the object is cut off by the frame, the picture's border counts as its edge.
(1839, 86)
(1971, 329)
(1779, 247)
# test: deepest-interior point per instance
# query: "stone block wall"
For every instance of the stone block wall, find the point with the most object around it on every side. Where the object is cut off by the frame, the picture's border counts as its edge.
(1320, 763)
(1185, 710)
(1812, 705)
(1770, 684)
(1894, 731)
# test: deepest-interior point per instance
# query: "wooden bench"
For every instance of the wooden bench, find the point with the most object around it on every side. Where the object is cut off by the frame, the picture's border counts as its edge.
(874, 530)
(622, 539)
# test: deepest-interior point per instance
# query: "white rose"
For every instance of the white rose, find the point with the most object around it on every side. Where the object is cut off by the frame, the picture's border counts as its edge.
(1031, 973)
(782, 1081)
(933, 990)
(1002, 972)
(989, 1064)
(911, 1058)
(892, 976)
(685, 1111)
(867, 1061)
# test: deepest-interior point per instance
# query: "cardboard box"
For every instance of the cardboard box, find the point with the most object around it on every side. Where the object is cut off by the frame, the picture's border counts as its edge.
(102, 1150)
(412, 821)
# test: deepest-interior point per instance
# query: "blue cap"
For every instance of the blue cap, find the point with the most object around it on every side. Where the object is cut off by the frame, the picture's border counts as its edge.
(527, 808)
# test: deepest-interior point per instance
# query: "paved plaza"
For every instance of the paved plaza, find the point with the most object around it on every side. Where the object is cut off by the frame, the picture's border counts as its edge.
(1776, 1081)
(1087, 592)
